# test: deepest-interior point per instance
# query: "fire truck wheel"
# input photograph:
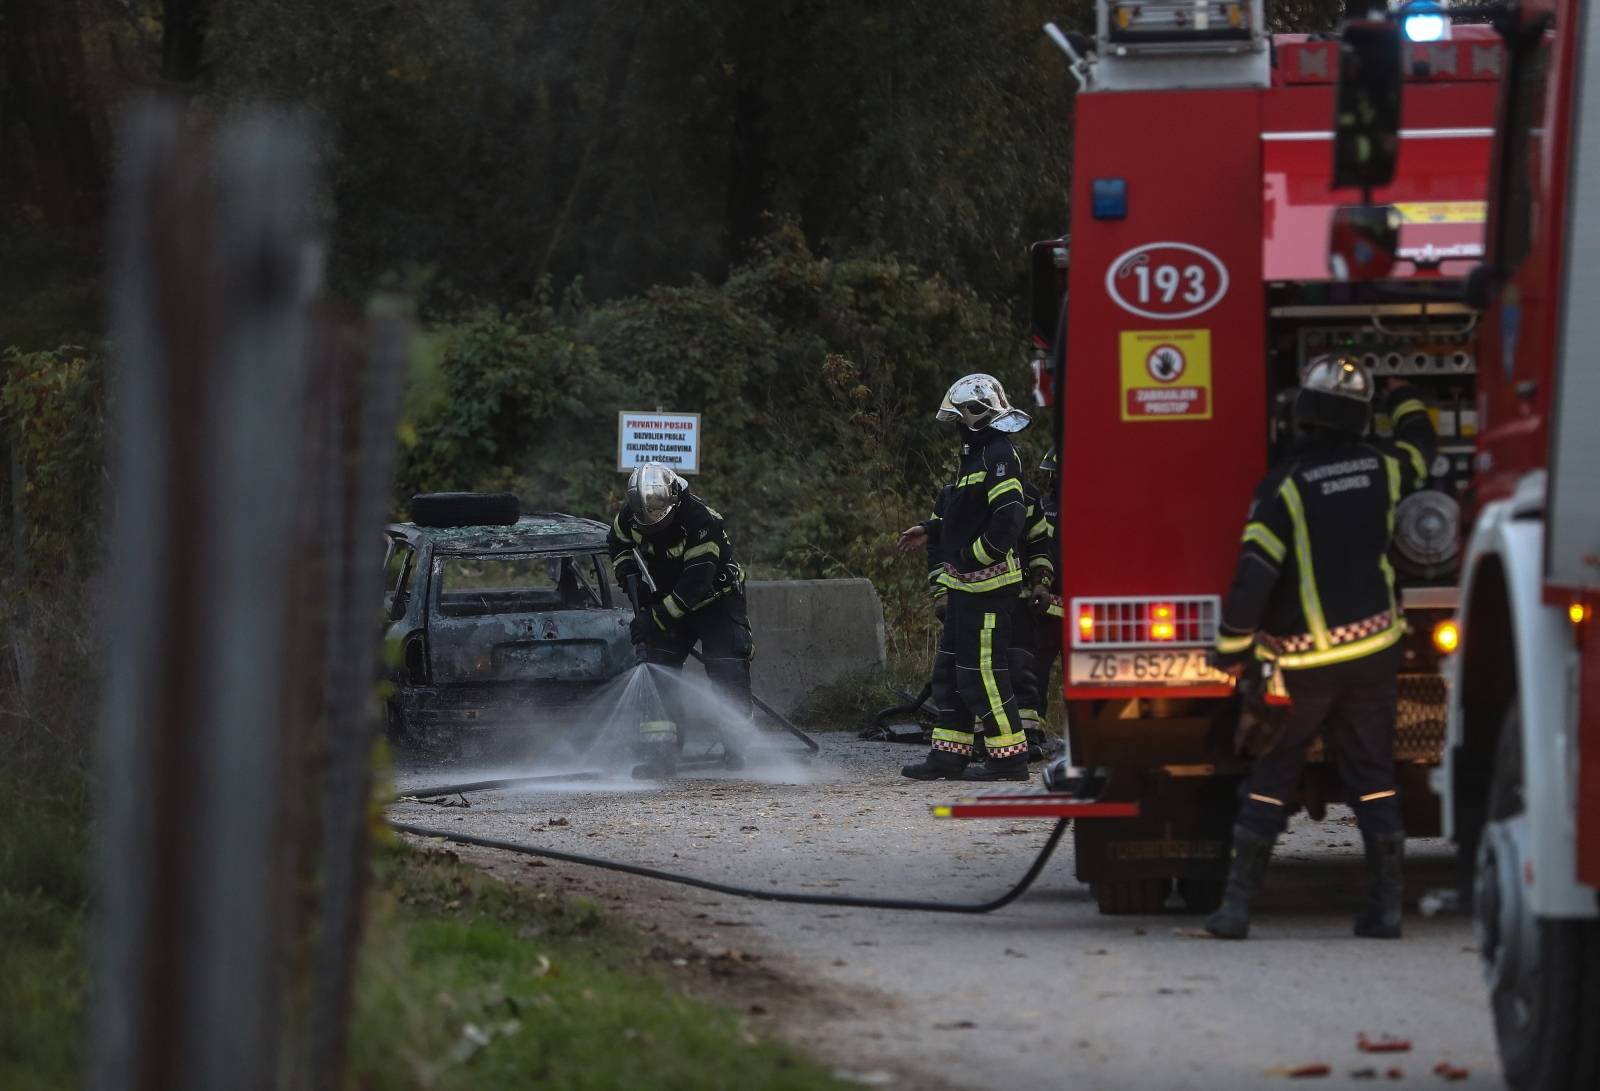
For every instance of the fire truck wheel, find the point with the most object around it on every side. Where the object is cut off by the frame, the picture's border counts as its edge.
(1201, 895)
(1543, 974)
(1119, 897)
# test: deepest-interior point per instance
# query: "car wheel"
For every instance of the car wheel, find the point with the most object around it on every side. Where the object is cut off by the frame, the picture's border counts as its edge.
(1543, 974)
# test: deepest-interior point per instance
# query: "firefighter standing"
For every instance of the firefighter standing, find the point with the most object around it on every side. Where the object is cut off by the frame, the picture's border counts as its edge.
(1023, 656)
(1044, 559)
(979, 536)
(672, 556)
(1314, 595)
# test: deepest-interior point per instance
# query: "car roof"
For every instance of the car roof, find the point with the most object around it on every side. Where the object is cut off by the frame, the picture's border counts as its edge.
(539, 532)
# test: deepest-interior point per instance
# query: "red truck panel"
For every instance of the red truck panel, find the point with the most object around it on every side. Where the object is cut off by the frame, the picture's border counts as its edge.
(1158, 457)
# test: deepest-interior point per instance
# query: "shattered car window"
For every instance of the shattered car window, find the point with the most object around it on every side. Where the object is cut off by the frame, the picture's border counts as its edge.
(476, 584)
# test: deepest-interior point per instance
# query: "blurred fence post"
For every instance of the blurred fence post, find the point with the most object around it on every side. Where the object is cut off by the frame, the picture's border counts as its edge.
(252, 434)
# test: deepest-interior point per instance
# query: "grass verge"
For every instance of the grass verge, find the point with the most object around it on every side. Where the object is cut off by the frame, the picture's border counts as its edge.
(467, 982)
(44, 898)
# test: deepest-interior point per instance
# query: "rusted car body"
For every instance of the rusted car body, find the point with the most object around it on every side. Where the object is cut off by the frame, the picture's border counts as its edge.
(499, 626)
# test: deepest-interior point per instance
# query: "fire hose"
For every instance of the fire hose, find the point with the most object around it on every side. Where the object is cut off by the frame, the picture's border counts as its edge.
(792, 897)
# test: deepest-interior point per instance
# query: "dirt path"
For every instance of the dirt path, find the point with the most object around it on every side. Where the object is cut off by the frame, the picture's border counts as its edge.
(1046, 991)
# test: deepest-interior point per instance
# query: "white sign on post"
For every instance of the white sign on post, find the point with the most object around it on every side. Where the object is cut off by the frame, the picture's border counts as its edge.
(672, 439)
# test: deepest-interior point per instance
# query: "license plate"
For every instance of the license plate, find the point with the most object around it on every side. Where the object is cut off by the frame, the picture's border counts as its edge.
(1185, 667)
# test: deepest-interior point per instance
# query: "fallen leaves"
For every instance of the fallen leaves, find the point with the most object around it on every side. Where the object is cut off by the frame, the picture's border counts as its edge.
(1301, 1072)
(1383, 1044)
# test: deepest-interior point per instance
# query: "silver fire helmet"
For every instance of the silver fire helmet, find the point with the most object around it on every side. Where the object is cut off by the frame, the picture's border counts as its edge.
(979, 401)
(653, 492)
(1335, 392)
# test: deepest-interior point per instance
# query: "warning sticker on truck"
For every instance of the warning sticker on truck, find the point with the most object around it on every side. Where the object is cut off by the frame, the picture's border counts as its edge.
(1166, 375)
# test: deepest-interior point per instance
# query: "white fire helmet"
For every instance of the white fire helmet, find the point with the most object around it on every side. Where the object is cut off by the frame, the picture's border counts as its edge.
(653, 491)
(1335, 392)
(979, 401)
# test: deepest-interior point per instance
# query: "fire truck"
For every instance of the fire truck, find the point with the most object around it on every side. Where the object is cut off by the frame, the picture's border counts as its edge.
(1198, 285)
(1521, 773)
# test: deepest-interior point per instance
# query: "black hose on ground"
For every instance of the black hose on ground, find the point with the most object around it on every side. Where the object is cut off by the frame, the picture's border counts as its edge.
(793, 897)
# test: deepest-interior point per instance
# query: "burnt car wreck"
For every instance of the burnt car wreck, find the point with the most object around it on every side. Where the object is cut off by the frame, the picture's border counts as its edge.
(496, 618)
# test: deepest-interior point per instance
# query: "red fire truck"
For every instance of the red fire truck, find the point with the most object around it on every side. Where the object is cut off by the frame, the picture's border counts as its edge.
(1198, 285)
(1521, 775)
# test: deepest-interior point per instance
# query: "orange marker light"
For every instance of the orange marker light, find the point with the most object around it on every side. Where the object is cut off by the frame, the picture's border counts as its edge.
(1161, 624)
(1086, 623)
(1446, 636)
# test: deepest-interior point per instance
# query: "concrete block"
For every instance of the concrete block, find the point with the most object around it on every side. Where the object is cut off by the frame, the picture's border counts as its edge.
(809, 633)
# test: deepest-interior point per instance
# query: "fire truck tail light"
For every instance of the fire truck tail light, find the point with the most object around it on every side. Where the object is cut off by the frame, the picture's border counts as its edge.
(1142, 622)
(1446, 636)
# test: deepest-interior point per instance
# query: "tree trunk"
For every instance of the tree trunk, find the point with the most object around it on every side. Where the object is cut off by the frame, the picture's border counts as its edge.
(46, 74)
(183, 40)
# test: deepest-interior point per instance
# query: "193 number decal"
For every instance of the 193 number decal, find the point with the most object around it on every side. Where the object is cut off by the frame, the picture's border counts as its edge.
(1167, 280)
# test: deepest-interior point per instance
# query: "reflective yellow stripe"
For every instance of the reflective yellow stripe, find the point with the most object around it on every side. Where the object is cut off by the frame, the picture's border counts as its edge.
(1417, 462)
(945, 734)
(702, 549)
(1266, 799)
(1055, 610)
(971, 479)
(993, 583)
(1261, 535)
(1004, 487)
(1230, 645)
(675, 551)
(943, 812)
(997, 707)
(1039, 529)
(984, 557)
(1405, 409)
(672, 606)
(1028, 715)
(1370, 796)
(1309, 600)
(1343, 653)
(1042, 562)
(616, 524)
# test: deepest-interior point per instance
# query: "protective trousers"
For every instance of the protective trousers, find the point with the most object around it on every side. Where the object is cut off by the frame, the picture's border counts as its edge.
(1022, 660)
(1352, 706)
(722, 629)
(977, 687)
(1046, 650)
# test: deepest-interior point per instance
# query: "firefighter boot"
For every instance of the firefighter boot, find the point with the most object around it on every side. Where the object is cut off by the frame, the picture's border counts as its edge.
(1386, 853)
(1014, 767)
(1251, 852)
(938, 765)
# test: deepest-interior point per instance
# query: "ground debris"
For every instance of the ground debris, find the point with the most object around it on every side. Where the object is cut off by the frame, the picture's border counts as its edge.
(562, 821)
(1382, 1044)
(1301, 1071)
(1450, 1073)
(1368, 1073)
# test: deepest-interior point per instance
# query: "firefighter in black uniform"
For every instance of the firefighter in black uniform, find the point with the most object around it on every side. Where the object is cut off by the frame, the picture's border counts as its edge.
(1023, 657)
(1044, 561)
(979, 537)
(672, 556)
(1313, 595)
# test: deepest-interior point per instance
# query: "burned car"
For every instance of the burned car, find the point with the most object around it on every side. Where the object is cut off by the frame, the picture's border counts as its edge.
(495, 618)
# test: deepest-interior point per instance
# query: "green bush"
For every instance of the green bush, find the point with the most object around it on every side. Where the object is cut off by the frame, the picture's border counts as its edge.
(816, 380)
(52, 421)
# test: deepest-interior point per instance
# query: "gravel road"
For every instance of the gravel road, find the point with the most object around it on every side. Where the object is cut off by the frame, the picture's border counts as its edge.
(1044, 993)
